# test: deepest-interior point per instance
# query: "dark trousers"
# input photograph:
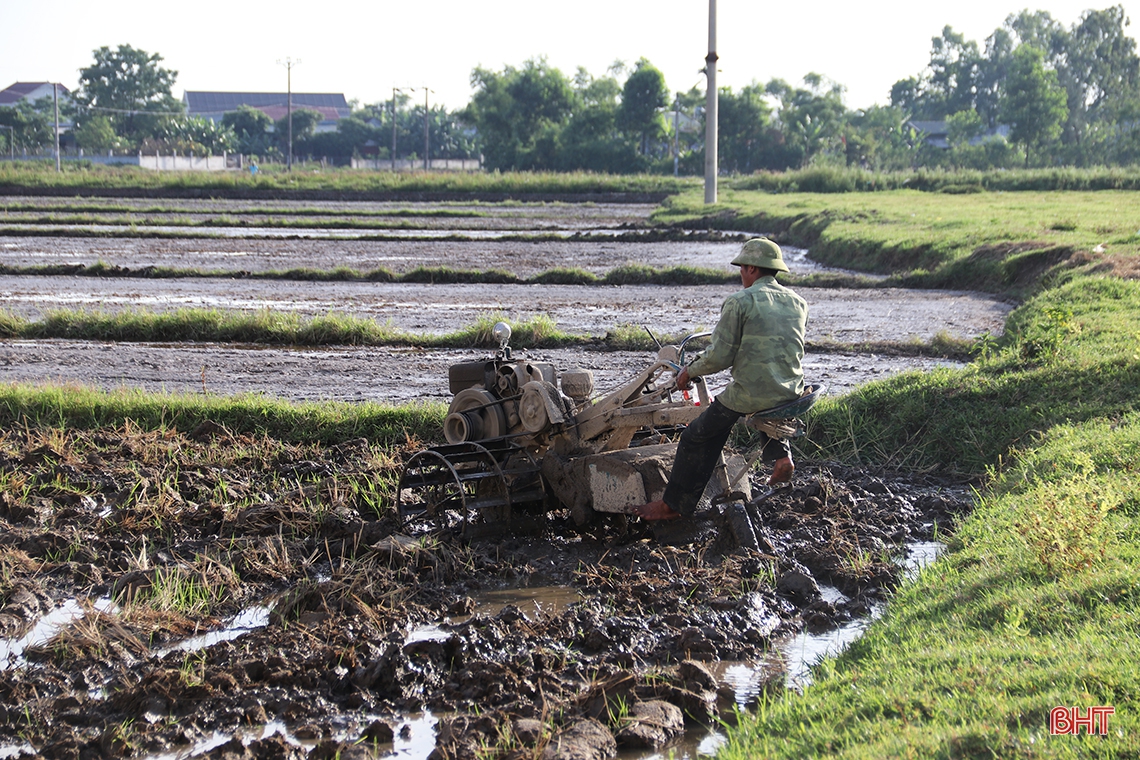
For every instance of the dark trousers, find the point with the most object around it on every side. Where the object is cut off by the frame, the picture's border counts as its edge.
(699, 452)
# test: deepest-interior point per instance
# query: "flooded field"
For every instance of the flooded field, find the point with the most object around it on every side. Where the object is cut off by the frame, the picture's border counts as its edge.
(176, 594)
(350, 373)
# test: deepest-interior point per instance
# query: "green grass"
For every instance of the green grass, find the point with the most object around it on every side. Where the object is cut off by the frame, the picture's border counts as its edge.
(272, 328)
(833, 179)
(76, 407)
(997, 242)
(284, 328)
(55, 208)
(626, 274)
(1070, 354)
(38, 177)
(1036, 606)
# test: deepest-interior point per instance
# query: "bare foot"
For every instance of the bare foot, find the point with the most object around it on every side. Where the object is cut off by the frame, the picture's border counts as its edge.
(655, 510)
(782, 470)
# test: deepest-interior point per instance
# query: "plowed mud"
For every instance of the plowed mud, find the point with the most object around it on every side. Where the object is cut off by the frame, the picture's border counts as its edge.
(334, 626)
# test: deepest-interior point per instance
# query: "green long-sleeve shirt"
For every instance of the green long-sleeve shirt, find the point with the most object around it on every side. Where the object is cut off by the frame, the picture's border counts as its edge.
(760, 335)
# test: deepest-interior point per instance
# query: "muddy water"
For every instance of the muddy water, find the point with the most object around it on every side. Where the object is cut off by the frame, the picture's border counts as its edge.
(388, 375)
(524, 259)
(839, 314)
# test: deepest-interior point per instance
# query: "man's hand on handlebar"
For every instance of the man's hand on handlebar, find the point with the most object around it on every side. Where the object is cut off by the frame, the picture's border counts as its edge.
(684, 382)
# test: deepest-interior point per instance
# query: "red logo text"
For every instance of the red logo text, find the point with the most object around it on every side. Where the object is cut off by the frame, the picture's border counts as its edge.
(1070, 720)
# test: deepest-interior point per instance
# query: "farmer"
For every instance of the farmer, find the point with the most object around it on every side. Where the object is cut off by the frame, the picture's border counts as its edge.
(760, 335)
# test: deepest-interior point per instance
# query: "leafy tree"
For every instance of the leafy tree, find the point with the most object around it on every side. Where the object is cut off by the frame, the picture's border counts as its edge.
(96, 133)
(1102, 70)
(954, 71)
(1033, 103)
(251, 128)
(963, 127)
(194, 135)
(31, 127)
(991, 76)
(591, 139)
(907, 95)
(950, 83)
(642, 98)
(811, 119)
(747, 139)
(879, 138)
(131, 89)
(305, 121)
(512, 109)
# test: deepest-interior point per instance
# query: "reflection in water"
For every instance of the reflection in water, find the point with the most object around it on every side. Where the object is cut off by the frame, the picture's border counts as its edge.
(414, 738)
(805, 650)
(245, 621)
(532, 602)
(12, 650)
(346, 233)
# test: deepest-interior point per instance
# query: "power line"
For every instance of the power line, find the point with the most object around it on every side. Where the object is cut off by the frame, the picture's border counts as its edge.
(130, 111)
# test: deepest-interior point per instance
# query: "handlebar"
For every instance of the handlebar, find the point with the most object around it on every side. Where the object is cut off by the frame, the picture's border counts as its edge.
(681, 347)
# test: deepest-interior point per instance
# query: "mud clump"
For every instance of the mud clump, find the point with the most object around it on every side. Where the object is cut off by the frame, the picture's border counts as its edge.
(163, 592)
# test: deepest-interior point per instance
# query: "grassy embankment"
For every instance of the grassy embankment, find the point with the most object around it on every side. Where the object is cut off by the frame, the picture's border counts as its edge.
(1036, 604)
(1000, 242)
(37, 177)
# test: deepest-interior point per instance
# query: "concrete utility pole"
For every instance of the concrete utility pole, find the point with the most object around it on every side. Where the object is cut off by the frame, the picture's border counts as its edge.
(55, 102)
(677, 135)
(394, 90)
(711, 102)
(427, 137)
(289, 63)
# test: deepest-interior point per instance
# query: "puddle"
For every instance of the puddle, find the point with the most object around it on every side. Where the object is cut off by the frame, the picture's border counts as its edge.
(805, 650)
(414, 738)
(16, 750)
(919, 555)
(532, 602)
(245, 621)
(12, 650)
(377, 233)
(746, 679)
(427, 633)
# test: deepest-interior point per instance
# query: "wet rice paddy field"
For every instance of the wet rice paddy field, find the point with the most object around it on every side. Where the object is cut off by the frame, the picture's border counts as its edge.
(169, 594)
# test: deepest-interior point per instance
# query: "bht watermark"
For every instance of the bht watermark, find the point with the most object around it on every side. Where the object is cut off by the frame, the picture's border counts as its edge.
(1070, 720)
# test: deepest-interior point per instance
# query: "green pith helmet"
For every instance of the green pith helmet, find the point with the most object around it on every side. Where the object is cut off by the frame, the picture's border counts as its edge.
(763, 253)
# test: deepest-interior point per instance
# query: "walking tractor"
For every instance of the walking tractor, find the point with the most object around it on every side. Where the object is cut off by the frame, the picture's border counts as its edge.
(523, 438)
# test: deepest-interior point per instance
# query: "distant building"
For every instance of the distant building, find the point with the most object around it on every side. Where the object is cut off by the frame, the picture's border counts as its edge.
(214, 105)
(31, 92)
(937, 134)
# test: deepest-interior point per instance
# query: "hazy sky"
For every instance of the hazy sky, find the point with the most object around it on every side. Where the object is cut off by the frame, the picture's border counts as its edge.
(363, 49)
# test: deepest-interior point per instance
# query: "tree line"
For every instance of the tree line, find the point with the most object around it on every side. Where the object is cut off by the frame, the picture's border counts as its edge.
(1036, 93)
